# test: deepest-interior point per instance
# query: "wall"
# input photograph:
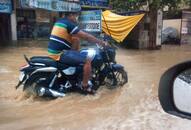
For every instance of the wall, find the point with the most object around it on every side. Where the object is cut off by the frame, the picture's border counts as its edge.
(139, 36)
(13, 23)
(175, 23)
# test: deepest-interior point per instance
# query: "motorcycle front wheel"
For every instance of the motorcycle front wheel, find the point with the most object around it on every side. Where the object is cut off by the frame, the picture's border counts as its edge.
(119, 78)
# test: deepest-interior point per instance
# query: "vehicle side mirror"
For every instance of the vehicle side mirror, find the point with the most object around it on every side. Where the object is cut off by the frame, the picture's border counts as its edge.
(181, 91)
(175, 90)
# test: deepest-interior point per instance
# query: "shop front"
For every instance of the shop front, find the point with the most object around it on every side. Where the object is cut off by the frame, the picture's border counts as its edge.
(33, 23)
(35, 18)
(26, 20)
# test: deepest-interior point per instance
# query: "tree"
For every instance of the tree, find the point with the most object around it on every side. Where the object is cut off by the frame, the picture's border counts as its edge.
(126, 5)
(188, 2)
(153, 7)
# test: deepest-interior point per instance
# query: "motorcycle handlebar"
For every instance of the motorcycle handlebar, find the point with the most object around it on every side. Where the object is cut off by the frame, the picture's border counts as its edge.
(102, 47)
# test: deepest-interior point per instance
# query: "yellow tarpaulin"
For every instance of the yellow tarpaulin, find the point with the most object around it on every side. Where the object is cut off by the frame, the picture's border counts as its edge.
(119, 26)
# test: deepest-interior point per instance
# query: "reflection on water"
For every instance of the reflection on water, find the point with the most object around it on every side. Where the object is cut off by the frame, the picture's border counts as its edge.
(134, 107)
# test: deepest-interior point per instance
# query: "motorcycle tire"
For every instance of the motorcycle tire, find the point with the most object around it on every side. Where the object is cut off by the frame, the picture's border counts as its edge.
(120, 79)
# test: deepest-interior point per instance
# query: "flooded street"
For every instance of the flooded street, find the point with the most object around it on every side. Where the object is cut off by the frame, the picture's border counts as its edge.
(133, 107)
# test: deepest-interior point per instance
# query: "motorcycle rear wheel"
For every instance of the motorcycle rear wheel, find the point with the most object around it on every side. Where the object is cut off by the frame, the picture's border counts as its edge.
(35, 82)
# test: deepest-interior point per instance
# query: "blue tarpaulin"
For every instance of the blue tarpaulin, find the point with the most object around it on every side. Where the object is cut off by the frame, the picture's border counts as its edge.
(5, 6)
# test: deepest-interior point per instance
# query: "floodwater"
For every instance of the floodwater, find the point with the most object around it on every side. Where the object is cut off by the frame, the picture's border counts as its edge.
(133, 107)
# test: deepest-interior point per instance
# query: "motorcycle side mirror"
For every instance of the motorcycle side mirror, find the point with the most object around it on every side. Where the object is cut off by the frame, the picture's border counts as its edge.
(175, 90)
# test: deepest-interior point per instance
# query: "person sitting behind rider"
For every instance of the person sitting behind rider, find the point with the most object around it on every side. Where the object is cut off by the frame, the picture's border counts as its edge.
(65, 36)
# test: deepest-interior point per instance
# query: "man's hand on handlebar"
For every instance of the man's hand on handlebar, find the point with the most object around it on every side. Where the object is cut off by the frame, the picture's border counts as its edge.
(103, 43)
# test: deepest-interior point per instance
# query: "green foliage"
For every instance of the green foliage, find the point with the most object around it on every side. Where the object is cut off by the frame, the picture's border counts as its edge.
(127, 5)
(188, 2)
(173, 5)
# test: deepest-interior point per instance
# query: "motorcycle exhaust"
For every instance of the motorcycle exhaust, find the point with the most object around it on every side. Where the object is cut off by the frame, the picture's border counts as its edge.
(49, 92)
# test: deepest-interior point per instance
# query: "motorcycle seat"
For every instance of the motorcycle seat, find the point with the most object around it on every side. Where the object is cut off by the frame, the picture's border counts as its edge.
(72, 58)
(44, 60)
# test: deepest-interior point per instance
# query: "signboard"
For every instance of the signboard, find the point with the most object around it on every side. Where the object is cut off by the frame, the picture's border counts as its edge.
(101, 3)
(186, 27)
(90, 21)
(184, 30)
(5, 6)
(53, 5)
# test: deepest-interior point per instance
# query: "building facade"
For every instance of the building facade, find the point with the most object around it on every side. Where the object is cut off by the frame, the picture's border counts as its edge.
(7, 22)
(19, 20)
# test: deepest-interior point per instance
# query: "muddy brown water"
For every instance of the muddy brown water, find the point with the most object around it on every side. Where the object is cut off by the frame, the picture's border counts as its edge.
(133, 107)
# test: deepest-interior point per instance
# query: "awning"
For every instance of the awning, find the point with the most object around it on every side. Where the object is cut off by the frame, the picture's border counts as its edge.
(119, 26)
(52, 5)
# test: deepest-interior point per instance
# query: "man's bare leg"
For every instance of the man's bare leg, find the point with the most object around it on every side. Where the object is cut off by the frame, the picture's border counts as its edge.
(87, 72)
(75, 43)
(87, 66)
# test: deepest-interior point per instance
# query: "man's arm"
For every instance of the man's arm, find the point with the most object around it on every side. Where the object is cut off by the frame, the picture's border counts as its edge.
(89, 37)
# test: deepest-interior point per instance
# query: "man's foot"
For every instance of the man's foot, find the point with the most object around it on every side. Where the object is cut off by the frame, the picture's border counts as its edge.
(87, 89)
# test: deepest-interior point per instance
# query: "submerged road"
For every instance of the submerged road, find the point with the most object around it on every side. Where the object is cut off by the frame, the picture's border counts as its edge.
(133, 107)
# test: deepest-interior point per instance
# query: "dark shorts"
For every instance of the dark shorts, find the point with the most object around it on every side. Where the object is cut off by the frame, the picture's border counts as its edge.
(72, 58)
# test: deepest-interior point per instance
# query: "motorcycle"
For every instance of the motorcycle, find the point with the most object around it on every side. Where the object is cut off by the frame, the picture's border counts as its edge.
(43, 76)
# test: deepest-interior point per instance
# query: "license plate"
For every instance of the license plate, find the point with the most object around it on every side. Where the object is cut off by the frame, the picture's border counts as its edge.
(21, 76)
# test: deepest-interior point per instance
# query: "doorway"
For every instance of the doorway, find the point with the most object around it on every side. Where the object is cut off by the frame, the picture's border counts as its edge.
(5, 28)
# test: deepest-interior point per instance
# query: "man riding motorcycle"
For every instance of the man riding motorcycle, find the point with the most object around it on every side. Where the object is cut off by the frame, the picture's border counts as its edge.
(65, 36)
